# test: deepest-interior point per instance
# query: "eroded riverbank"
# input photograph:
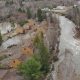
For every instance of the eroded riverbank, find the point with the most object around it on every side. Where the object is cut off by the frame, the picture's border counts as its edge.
(68, 66)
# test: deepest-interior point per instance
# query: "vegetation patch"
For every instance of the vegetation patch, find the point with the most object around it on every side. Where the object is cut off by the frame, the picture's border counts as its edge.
(23, 22)
(1, 66)
(3, 57)
(1, 39)
(40, 15)
(37, 67)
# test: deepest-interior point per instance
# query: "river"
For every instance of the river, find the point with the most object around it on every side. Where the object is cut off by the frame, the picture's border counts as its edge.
(68, 66)
(67, 41)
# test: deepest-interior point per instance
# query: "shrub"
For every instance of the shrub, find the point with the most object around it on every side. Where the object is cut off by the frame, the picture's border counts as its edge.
(37, 66)
(3, 57)
(39, 15)
(29, 15)
(1, 39)
(31, 69)
(21, 10)
(23, 22)
(43, 53)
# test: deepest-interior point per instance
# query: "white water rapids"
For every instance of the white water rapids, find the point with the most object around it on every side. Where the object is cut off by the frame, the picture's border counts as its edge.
(67, 41)
(67, 68)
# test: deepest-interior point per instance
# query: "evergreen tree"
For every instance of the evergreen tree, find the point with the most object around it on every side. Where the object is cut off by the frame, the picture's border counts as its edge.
(39, 15)
(37, 66)
(42, 52)
(31, 69)
(29, 15)
(0, 39)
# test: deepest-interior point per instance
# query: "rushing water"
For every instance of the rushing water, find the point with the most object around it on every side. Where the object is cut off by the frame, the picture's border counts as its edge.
(67, 41)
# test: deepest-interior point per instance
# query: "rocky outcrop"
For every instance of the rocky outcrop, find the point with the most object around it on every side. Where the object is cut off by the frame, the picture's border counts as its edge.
(66, 70)
(52, 39)
(52, 35)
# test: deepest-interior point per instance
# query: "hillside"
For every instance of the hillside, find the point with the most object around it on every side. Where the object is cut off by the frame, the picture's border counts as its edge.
(10, 9)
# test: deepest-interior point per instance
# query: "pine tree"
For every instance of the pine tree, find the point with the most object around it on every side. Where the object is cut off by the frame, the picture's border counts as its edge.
(0, 39)
(43, 53)
(39, 15)
(31, 69)
(29, 15)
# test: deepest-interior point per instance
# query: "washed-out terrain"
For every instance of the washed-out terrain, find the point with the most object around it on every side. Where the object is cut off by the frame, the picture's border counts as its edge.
(59, 37)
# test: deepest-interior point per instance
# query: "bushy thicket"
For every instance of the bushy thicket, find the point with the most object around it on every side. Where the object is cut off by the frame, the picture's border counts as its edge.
(38, 65)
